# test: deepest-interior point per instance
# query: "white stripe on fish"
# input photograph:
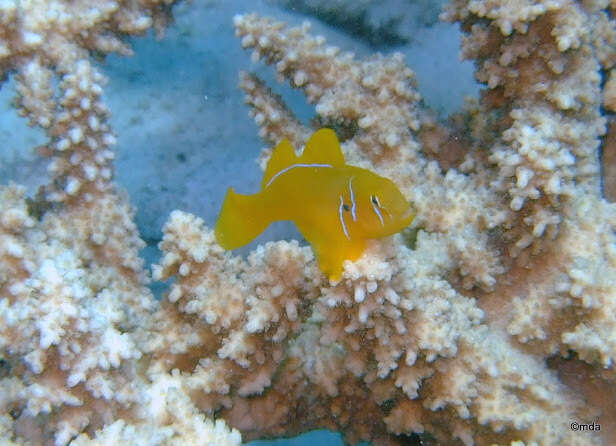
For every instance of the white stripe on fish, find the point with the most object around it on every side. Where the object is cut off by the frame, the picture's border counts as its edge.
(341, 215)
(376, 205)
(354, 205)
(286, 169)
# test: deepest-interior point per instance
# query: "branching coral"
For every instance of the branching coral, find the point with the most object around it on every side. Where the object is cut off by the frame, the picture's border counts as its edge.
(73, 298)
(543, 66)
(308, 353)
(73, 316)
(400, 338)
(541, 62)
(46, 42)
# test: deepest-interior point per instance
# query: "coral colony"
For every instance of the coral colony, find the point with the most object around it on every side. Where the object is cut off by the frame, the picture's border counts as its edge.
(492, 320)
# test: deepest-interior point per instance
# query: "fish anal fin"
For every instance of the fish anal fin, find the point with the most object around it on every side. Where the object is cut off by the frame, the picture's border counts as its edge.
(283, 156)
(323, 147)
(331, 251)
(332, 259)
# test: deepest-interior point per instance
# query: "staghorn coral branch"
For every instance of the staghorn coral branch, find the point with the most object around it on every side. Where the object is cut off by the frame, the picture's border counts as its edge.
(567, 281)
(74, 306)
(541, 61)
(397, 336)
(392, 333)
(377, 95)
(49, 41)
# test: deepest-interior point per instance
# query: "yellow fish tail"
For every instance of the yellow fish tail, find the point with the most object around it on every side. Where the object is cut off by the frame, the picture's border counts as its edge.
(241, 220)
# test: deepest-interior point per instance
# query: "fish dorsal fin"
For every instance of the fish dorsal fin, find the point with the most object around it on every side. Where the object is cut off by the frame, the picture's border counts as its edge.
(283, 156)
(323, 147)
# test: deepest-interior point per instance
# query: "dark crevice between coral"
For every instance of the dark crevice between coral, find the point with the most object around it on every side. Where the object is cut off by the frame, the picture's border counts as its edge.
(15, 412)
(356, 24)
(607, 161)
(410, 236)
(5, 368)
(345, 128)
(415, 439)
(39, 205)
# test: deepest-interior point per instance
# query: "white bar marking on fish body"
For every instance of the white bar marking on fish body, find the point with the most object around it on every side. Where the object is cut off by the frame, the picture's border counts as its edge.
(286, 169)
(341, 215)
(354, 206)
(375, 206)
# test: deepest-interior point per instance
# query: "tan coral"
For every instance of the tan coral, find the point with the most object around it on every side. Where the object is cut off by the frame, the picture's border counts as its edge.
(391, 332)
(578, 280)
(73, 296)
(186, 426)
(548, 159)
(237, 304)
(541, 58)
(55, 274)
(608, 159)
(378, 94)
(50, 41)
(392, 322)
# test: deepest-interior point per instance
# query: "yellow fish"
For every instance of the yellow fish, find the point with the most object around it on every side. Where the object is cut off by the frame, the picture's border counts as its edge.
(336, 207)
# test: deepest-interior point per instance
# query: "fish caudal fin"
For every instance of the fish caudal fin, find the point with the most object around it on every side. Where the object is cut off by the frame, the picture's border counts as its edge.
(242, 218)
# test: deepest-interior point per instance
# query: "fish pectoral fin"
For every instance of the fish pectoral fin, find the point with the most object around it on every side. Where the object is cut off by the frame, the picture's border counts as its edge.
(323, 147)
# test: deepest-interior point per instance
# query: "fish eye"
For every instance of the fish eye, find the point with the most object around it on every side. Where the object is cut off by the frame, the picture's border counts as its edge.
(375, 200)
(346, 207)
